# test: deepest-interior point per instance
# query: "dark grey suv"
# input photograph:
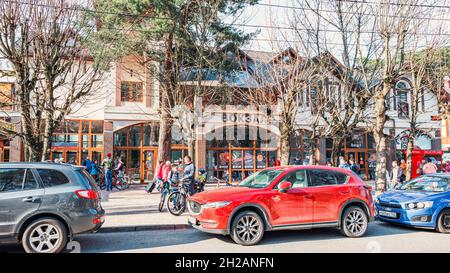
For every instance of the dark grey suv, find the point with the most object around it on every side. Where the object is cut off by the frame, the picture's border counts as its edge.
(43, 205)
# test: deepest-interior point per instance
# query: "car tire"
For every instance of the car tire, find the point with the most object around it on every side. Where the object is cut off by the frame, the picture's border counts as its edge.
(247, 228)
(443, 217)
(45, 235)
(354, 222)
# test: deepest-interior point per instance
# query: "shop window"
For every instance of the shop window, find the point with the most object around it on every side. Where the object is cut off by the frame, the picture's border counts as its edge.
(131, 91)
(97, 127)
(134, 136)
(357, 140)
(120, 138)
(371, 140)
(97, 141)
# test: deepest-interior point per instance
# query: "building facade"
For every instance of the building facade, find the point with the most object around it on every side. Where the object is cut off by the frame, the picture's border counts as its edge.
(121, 117)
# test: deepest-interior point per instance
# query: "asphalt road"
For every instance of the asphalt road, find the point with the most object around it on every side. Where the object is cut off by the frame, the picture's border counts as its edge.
(380, 238)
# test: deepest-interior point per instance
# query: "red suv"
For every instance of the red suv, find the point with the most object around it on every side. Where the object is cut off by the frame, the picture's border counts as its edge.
(291, 197)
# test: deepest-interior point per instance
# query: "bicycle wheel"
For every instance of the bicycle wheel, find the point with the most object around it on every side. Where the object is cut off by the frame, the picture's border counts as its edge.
(176, 203)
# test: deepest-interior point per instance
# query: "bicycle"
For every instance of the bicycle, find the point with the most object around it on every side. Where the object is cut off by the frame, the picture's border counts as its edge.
(165, 191)
(176, 202)
(117, 183)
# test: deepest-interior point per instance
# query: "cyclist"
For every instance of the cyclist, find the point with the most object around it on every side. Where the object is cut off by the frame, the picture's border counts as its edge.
(189, 174)
(201, 179)
(120, 169)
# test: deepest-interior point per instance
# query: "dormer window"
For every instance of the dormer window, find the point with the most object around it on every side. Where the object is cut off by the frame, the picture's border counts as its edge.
(402, 88)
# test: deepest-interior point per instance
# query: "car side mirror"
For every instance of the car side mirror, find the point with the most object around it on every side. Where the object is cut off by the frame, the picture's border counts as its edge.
(284, 186)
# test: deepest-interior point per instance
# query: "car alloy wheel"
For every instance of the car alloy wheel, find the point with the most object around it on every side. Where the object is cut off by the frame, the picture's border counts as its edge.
(355, 222)
(248, 228)
(443, 221)
(45, 236)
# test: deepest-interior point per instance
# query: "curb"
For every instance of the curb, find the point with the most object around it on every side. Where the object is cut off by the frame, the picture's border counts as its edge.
(143, 228)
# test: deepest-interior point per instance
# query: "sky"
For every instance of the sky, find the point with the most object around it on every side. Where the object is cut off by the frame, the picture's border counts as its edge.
(277, 14)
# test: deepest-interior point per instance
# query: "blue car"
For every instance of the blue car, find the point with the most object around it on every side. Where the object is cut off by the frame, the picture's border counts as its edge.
(422, 202)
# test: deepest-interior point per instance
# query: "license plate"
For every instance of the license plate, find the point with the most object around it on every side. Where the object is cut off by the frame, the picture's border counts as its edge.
(387, 214)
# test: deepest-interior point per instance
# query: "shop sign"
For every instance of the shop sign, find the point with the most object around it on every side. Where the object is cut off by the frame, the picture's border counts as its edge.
(244, 118)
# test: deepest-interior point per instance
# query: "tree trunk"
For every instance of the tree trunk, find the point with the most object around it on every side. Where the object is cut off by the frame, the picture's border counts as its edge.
(165, 137)
(285, 145)
(409, 150)
(166, 103)
(336, 151)
(380, 140)
(47, 139)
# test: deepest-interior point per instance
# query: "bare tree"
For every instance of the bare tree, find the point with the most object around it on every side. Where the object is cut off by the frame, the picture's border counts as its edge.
(44, 42)
(341, 89)
(420, 59)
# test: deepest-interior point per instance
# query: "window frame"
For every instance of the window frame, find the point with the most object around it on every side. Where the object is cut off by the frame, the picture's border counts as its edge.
(282, 179)
(130, 94)
(332, 171)
(42, 180)
(25, 170)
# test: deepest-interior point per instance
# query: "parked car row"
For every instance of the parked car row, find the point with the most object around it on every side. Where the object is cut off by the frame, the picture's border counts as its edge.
(305, 197)
(43, 205)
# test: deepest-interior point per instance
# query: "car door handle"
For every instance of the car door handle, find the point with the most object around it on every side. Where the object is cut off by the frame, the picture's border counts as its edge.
(344, 192)
(276, 198)
(309, 196)
(31, 199)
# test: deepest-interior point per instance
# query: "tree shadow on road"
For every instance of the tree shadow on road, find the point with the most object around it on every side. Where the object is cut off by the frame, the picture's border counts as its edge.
(376, 229)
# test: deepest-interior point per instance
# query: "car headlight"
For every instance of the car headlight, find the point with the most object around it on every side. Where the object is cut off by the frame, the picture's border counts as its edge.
(420, 205)
(216, 205)
(377, 201)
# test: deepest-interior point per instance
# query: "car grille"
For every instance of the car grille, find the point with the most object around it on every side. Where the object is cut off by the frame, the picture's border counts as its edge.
(194, 207)
(390, 205)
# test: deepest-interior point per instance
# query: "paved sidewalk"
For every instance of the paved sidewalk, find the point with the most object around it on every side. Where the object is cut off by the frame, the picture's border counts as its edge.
(134, 209)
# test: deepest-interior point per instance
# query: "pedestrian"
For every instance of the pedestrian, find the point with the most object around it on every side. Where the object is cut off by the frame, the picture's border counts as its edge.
(120, 169)
(107, 165)
(166, 170)
(447, 167)
(353, 166)
(396, 175)
(277, 162)
(87, 163)
(189, 174)
(343, 164)
(94, 170)
(429, 167)
(159, 170)
(403, 166)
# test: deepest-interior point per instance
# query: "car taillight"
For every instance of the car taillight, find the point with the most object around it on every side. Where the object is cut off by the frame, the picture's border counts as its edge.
(88, 194)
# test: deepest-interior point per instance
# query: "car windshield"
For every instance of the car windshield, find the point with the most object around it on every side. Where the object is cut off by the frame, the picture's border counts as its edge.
(260, 179)
(427, 184)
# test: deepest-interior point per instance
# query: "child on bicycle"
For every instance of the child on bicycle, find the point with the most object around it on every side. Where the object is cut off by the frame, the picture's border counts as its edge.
(201, 179)
(174, 176)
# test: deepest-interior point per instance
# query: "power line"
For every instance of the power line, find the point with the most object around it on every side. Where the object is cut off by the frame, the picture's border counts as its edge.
(348, 12)
(398, 4)
(130, 28)
(258, 4)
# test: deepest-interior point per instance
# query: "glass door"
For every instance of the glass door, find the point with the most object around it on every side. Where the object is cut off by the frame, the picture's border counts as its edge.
(148, 165)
